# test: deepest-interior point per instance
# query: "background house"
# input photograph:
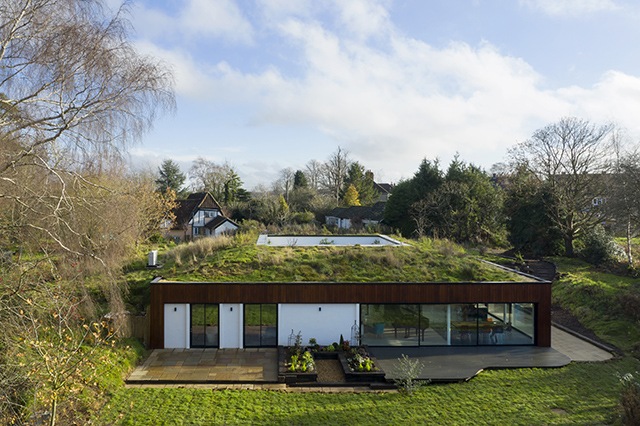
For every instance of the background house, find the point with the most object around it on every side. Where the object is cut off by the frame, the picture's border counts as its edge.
(355, 216)
(384, 190)
(200, 215)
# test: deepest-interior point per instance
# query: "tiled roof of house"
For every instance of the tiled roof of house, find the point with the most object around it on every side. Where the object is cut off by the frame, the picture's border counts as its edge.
(186, 208)
(217, 221)
(383, 188)
(374, 212)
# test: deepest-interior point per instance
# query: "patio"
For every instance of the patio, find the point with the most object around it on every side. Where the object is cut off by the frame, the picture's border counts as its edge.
(250, 365)
(441, 364)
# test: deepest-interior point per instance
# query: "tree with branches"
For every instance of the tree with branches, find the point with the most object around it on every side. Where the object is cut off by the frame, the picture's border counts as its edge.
(334, 173)
(170, 177)
(573, 158)
(74, 94)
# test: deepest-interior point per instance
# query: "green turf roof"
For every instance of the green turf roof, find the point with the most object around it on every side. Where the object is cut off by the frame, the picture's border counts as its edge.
(239, 259)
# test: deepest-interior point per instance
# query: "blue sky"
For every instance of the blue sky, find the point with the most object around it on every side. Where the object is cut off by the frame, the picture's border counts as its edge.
(270, 84)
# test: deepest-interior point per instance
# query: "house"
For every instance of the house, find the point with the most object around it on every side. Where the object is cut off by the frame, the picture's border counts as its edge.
(354, 216)
(384, 191)
(510, 310)
(199, 215)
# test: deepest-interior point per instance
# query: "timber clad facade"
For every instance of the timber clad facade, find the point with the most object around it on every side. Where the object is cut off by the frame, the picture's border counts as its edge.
(381, 312)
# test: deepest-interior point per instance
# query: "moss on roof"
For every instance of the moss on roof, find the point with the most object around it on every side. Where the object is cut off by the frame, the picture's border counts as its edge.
(239, 259)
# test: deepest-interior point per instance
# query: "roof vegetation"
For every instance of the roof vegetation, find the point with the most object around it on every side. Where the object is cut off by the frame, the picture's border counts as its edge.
(239, 259)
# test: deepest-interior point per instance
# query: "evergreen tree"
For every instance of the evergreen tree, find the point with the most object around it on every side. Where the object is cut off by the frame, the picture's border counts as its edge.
(425, 182)
(170, 177)
(396, 210)
(363, 182)
(529, 227)
(300, 180)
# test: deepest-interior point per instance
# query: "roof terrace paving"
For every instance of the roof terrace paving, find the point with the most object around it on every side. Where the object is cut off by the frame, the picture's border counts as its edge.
(258, 366)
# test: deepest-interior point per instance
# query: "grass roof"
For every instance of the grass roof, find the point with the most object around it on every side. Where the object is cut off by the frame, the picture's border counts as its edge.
(239, 259)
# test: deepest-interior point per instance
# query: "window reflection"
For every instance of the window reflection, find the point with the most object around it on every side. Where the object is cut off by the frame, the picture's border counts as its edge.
(464, 324)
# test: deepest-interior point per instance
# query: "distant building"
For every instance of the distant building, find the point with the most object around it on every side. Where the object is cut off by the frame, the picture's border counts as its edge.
(355, 216)
(384, 191)
(199, 215)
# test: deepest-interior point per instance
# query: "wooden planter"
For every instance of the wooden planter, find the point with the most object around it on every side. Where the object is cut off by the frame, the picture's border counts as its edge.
(286, 376)
(361, 376)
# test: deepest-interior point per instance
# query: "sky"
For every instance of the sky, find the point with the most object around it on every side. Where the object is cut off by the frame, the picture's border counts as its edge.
(271, 84)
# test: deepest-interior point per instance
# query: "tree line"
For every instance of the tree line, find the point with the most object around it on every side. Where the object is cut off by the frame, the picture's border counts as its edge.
(296, 196)
(571, 181)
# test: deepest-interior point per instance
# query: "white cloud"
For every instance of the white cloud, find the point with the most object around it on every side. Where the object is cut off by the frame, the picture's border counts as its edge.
(278, 9)
(190, 78)
(216, 18)
(615, 98)
(363, 18)
(195, 19)
(570, 7)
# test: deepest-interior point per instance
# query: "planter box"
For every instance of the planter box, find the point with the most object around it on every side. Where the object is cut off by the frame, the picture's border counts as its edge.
(290, 377)
(361, 376)
(286, 376)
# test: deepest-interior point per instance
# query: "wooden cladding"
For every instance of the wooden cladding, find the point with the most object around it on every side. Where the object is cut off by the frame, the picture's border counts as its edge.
(163, 292)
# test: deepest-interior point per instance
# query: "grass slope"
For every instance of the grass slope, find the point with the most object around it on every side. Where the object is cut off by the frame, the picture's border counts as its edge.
(606, 303)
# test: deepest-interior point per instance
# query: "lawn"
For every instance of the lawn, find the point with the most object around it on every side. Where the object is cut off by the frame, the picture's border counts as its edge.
(585, 393)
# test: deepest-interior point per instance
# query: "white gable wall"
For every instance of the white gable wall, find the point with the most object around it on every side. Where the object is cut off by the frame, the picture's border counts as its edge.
(225, 227)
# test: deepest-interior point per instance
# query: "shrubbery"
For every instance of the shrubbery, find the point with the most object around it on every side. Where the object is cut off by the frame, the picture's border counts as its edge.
(630, 400)
(599, 247)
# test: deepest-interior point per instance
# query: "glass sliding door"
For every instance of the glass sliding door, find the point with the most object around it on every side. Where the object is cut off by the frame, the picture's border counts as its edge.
(434, 325)
(522, 325)
(204, 325)
(392, 324)
(464, 324)
(260, 325)
(461, 324)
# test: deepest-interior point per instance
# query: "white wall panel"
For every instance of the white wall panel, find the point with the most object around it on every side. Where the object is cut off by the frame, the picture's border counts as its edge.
(324, 322)
(176, 325)
(230, 325)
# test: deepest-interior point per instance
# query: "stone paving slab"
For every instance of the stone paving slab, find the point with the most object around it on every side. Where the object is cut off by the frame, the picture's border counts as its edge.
(576, 348)
(202, 365)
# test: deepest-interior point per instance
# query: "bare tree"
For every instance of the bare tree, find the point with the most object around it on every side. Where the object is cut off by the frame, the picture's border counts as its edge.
(572, 157)
(334, 173)
(624, 202)
(284, 184)
(221, 180)
(74, 92)
(313, 172)
(73, 95)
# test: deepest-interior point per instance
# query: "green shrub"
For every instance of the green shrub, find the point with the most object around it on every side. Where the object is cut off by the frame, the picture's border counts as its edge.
(407, 373)
(630, 400)
(599, 247)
